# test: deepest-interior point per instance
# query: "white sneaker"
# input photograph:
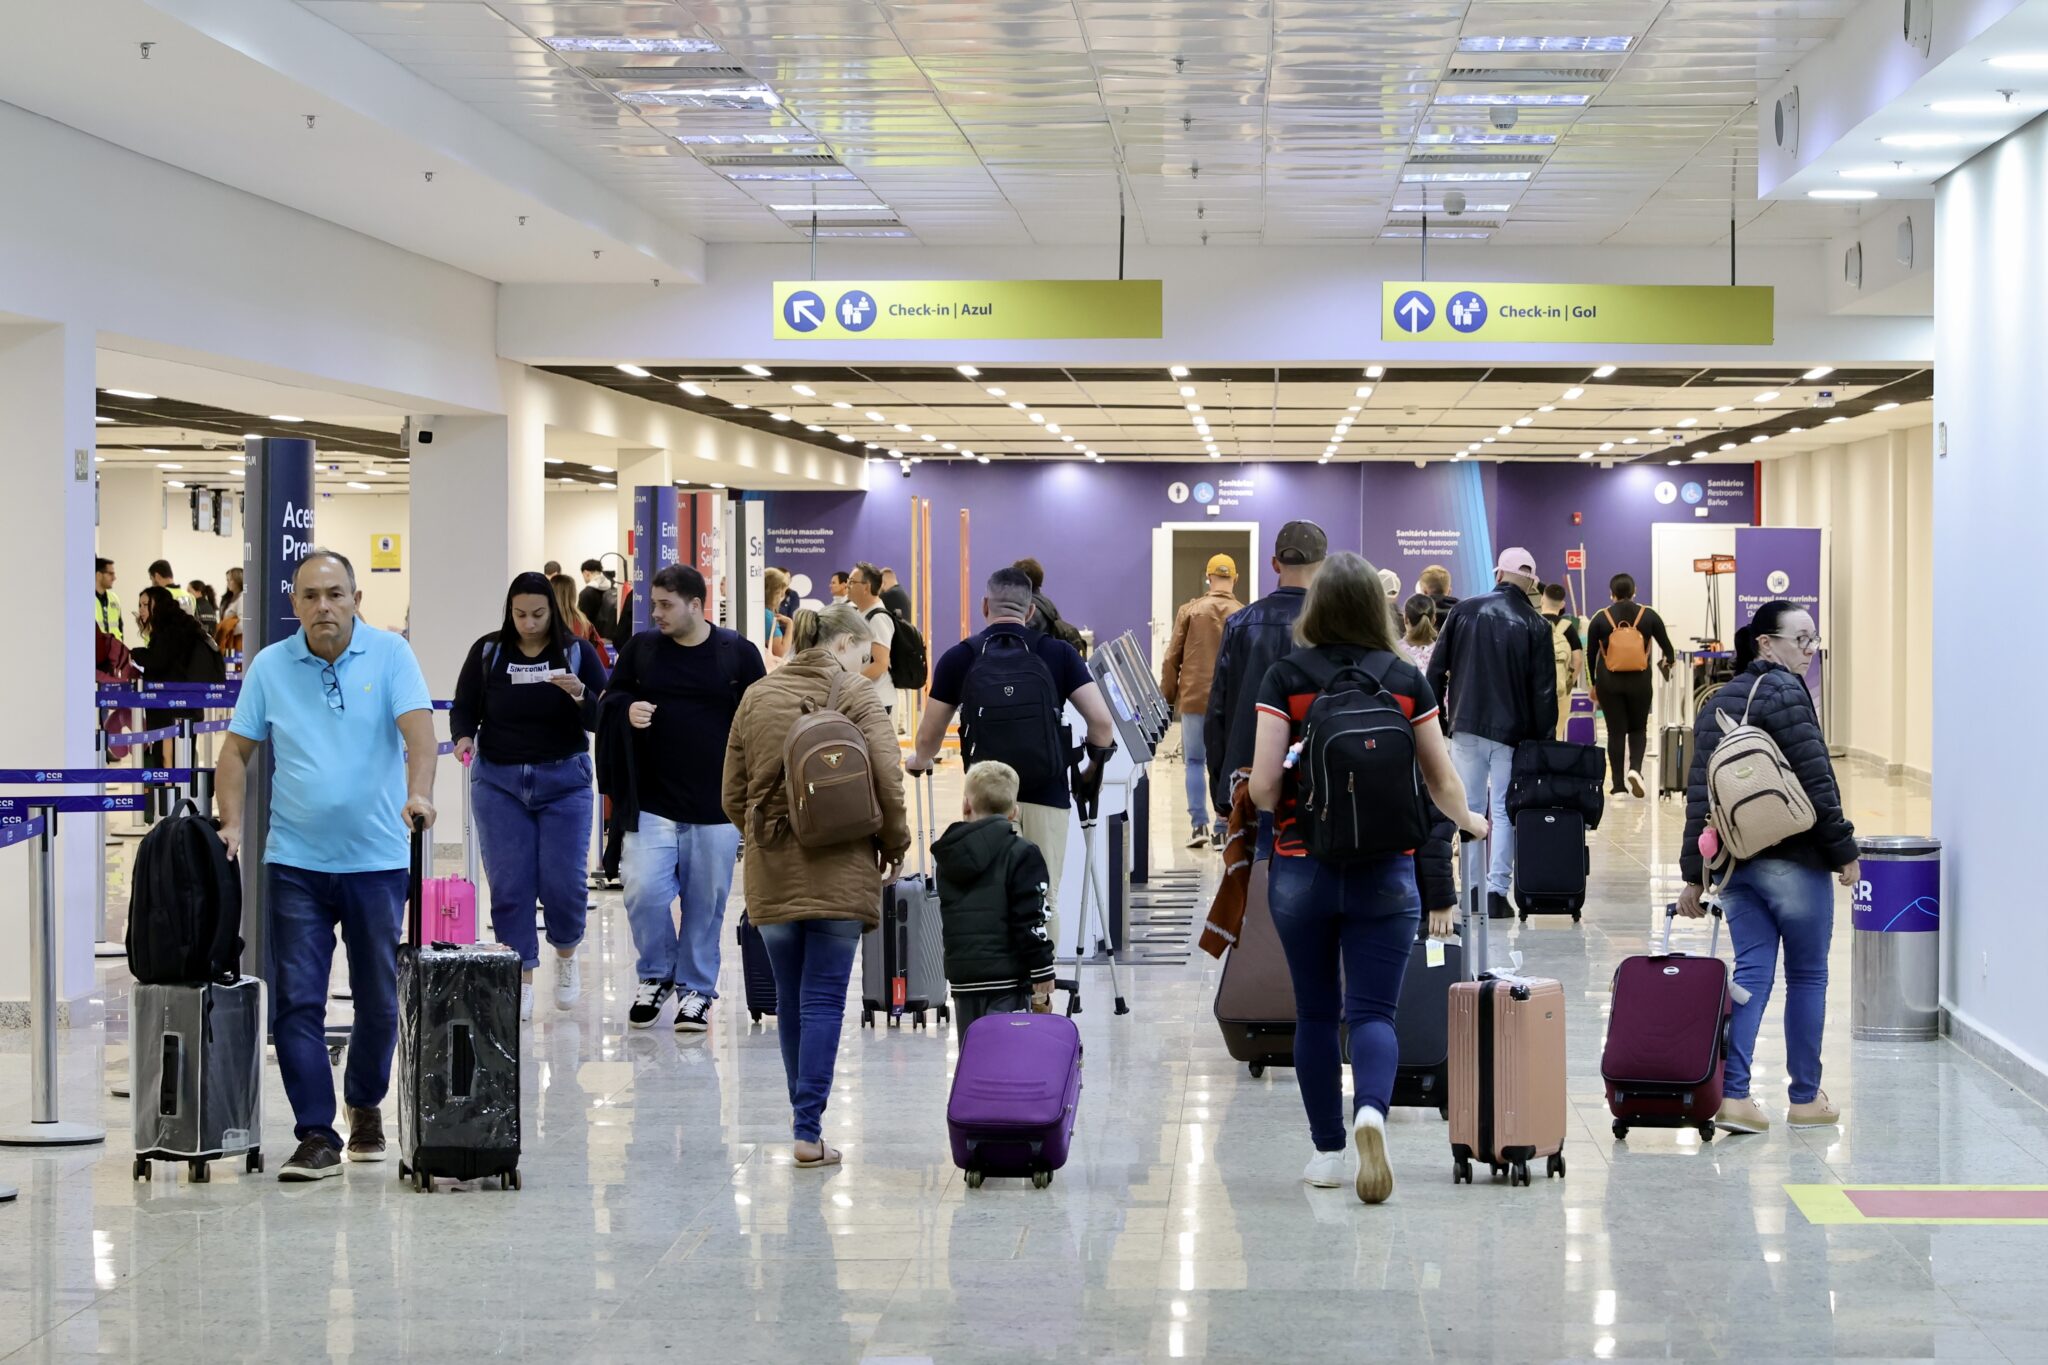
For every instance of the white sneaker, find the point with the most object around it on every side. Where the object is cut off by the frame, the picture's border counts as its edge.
(1635, 783)
(568, 981)
(1326, 1170)
(1375, 1177)
(526, 1000)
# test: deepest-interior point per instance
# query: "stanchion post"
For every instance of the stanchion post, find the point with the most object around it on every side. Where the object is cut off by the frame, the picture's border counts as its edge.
(44, 1128)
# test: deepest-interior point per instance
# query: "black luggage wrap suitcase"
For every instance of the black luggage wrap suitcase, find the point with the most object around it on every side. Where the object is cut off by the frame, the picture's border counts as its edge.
(1422, 1029)
(903, 962)
(1674, 760)
(1551, 862)
(458, 1054)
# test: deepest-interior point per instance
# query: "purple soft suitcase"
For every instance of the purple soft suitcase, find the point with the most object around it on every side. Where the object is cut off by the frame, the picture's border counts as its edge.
(1015, 1090)
(1667, 1037)
(1578, 723)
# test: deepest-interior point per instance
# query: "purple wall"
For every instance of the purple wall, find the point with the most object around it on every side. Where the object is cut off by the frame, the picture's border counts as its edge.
(1091, 525)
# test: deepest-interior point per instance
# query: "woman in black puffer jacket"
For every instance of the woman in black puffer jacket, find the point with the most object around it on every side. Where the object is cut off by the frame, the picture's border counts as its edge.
(1782, 894)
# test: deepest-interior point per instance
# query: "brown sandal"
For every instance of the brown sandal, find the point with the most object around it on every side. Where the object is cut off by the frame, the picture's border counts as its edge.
(827, 1156)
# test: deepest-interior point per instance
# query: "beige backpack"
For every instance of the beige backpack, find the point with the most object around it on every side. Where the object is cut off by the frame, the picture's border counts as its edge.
(830, 776)
(1754, 798)
(1628, 649)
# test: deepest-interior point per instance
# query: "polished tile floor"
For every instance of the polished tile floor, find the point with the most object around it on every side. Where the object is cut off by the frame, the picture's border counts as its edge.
(662, 1219)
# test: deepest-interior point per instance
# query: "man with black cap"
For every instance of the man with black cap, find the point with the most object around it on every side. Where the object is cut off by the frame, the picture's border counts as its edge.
(1495, 672)
(1253, 640)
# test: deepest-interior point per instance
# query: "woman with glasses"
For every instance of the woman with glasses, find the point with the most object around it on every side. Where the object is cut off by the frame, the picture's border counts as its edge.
(1781, 896)
(523, 702)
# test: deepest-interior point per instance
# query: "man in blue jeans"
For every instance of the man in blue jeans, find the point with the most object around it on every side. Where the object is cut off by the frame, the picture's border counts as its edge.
(1185, 677)
(351, 731)
(681, 682)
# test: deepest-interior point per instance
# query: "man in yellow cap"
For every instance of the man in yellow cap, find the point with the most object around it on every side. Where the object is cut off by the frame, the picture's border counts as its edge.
(1184, 676)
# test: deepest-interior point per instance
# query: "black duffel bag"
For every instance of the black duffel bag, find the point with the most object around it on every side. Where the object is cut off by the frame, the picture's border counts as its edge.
(1554, 774)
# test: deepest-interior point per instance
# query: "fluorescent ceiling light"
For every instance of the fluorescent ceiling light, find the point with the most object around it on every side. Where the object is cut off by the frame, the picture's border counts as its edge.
(1038, 417)
(1884, 407)
(1684, 422)
(633, 370)
(994, 392)
(1818, 372)
(949, 445)
(1606, 446)
(1525, 421)
(285, 417)
(1672, 463)
(1628, 440)
(830, 208)
(1478, 139)
(1412, 233)
(651, 47)
(1438, 208)
(798, 139)
(694, 390)
(165, 464)
(1982, 106)
(689, 97)
(805, 389)
(1656, 431)
(779, 416)
(601, 469)
(739, 406)
(553, 459)
(1053, 427)
(607, 484)
(1758, 439)
(1919, 140)
(1193, 407)
(758, 371)
(841, 403)
(1620, 42)
(1505, 431)
(1832, 420)
(252, 436)
(903, 426)
(1891, 170)
(363, 487)
(967, 370)
(1604, 372)
(1187, 390)
(875, 417)
(372, 469)
(1017, 404)
(131, 393)
(1517, 101)
(1548, 407)
(845, 438)
(812, 426)
(101, 420)
(1460, 178)
(1574, 394)
(2021, 61)
(807, 174)
(1178, 371)
(1375, 371)
(1770, 396)
(1585, 454)
(172, 483)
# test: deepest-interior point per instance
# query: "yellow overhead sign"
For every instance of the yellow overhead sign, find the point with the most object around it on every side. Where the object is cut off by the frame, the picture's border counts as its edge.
(965, 310)
(1641, 314)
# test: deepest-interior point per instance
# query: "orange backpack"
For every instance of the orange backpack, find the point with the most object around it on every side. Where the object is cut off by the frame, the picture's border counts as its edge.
(1628, 649)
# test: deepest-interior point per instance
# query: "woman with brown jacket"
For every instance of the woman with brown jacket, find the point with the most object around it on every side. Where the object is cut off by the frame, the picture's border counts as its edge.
(811, 904)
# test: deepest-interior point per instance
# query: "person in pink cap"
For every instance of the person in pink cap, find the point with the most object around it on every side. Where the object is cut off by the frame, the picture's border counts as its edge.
(1495, 673)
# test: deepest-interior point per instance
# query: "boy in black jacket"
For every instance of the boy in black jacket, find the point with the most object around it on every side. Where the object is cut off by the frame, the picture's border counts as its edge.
(992, 906)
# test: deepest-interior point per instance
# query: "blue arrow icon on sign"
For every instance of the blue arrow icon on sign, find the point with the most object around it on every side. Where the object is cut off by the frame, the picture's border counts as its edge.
(803, 311)
(1414, 311)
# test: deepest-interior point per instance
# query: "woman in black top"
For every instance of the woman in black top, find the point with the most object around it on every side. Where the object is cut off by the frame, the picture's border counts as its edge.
(1348, 926)
(179, 651)
(525, 699)
(1626, 694)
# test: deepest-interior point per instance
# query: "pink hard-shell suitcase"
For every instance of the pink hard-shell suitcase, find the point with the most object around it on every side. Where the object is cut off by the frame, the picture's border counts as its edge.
(1667, 1037)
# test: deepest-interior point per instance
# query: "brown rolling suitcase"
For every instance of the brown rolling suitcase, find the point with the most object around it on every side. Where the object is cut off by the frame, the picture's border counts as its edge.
(1255, 993)
(1507, 1060)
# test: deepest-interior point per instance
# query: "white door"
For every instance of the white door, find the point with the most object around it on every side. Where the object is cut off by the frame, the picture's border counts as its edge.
(1681, 599)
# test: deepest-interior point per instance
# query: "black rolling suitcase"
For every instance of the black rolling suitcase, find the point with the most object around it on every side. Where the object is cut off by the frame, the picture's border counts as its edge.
(903, 962)
(755, 970)
(197, 1067)
(1674, 760)
(458, 1055)
(1551, 863)
(1422, 1029)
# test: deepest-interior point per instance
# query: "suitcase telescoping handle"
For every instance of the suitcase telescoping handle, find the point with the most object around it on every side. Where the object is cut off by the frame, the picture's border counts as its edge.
(415, 885)
(1671, 918)
(927, 807)
(1478, 857)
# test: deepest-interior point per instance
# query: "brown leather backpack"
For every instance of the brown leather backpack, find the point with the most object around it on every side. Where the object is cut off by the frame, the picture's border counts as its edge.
(830, 776)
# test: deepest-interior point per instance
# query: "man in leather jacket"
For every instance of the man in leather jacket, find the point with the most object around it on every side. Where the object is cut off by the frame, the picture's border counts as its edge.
(1495, 674)
(1253, 639)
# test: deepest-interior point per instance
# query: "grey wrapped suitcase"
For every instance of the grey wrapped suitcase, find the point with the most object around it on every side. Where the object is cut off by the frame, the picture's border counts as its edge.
(197, 1074)
(903, 962)
(458, 1056)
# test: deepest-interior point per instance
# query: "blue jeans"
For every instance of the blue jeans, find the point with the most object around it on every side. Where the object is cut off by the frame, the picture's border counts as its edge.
(813, 961)
(1347, 930)
(1769, 901)
(1484, 766)
(533, 830)
(1196, 755)
(662, 862)
(305, 907)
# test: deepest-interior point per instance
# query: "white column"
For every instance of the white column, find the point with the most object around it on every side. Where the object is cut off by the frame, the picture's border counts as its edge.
(46, 519)
(478, 518)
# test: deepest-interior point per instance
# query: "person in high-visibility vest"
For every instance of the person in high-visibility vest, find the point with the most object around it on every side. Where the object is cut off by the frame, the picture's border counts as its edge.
(106, 608)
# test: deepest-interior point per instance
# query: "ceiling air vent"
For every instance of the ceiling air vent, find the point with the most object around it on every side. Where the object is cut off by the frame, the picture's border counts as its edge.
(1918, 25)
(740, 161)
(802, 222)
(1785, 122)
(666, 75)
(1532, 75)
(1443, 222)
(1852, 266)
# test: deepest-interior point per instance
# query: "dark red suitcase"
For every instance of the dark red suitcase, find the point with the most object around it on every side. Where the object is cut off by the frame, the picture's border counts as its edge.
(1667, 1037)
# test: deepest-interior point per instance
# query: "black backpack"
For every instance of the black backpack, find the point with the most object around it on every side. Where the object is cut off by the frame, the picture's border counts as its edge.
(909, 664)
(185, 904)
(1010, 710)
(1360, 788)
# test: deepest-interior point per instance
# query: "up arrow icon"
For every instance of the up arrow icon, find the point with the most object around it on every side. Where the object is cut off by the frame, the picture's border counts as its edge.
(1414, 311)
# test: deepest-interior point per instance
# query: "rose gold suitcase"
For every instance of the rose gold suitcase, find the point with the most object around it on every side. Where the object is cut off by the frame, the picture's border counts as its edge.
(1507, 1060)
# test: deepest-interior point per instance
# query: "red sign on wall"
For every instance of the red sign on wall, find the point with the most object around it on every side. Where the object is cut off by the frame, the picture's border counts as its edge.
(1575, 559)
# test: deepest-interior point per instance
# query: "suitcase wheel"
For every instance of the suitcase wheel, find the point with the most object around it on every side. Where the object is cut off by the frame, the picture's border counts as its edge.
(1575, 917)
(756, 1015)
(867, 1018)
(917, 1019)
(945, 1014)
(404, 1171)
(1620, 1131)
(1040, 1179)
(1706, 1132)
(974, 1179)
(1444, 1112)
(141, 1171)
(200, 1174)
(1553, 1167)
(1257, 1069)
(253, 1163)
(1519, 1173)
(511, 1181)
(1461, 1172)
(422, 1182)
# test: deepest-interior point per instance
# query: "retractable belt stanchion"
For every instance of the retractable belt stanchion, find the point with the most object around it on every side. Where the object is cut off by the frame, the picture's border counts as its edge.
(44, 1128)
(102, 946)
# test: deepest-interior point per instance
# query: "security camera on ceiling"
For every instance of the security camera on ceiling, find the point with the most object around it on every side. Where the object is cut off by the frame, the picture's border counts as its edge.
(1824, 398)
(1505, 116)
(904, 465)
(1454, 203)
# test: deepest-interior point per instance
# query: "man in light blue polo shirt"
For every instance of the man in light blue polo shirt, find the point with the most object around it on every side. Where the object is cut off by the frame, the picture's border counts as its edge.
(351, 731)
